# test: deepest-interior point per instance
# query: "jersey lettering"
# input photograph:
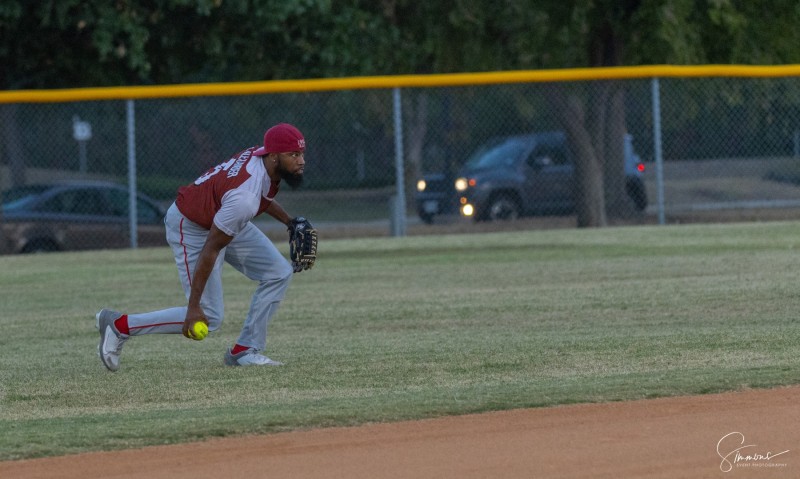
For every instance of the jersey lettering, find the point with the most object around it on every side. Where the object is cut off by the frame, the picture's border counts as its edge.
(236, 163)
(214, 171)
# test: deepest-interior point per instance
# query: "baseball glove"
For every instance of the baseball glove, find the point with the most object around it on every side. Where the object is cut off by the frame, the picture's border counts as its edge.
(302, 244)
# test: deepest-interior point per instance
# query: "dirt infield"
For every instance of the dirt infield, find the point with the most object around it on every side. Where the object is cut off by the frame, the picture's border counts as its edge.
(749, 434)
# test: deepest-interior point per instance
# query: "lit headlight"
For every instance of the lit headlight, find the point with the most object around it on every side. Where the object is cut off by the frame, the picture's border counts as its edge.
(421, 185)
(461, 184)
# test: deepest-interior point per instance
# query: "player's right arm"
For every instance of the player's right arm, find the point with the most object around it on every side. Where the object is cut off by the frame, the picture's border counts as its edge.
(215, 241)
(237, 209)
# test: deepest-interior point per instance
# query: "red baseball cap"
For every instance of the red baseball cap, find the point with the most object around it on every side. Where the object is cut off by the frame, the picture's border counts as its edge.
(282, 138)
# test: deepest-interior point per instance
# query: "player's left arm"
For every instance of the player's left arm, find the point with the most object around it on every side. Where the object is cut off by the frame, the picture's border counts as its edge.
(276, 211)
(302, 237)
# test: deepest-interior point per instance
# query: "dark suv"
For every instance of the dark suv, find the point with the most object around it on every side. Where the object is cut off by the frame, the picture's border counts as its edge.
(517, 175)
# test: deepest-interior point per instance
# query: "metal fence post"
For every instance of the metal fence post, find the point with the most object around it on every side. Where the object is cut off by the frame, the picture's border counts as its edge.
(656, 94)
(132, 213)
(399, 210)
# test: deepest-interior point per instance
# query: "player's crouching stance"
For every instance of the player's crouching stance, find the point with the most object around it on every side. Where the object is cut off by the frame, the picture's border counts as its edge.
(210, 222)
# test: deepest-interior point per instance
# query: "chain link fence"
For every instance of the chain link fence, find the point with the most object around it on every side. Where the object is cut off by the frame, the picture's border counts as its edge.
(586, 152)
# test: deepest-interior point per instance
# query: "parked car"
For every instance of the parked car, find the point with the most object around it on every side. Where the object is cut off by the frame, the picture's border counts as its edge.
(517, 175)
(76, 216)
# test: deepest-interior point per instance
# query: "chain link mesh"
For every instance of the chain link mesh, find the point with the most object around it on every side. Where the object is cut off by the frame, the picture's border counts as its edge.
(730, 148)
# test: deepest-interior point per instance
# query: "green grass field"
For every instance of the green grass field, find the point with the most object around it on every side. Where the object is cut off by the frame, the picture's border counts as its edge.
(389, 329)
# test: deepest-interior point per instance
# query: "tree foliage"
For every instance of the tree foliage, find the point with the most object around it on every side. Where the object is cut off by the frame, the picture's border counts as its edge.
(79, 43)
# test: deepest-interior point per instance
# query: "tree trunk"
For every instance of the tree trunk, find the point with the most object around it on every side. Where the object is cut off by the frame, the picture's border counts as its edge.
(590, 202)
(617, 202)
(589, 198)
(607, 49)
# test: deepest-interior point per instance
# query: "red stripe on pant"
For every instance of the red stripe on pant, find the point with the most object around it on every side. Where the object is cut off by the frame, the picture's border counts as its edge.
(185, 256)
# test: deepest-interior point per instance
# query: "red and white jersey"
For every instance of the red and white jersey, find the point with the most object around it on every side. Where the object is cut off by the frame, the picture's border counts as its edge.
(230, 194)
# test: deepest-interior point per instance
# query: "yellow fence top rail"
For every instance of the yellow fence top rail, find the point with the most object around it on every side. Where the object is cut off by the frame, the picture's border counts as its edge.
(395, 81)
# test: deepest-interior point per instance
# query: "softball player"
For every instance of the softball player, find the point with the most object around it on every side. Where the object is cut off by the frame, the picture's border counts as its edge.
(209, 223)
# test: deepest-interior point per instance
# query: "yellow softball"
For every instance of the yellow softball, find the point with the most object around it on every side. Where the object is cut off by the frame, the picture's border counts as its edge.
(200, 330)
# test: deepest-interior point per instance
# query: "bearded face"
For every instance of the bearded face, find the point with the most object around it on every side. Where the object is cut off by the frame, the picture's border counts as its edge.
(290, 168)
(294, 180)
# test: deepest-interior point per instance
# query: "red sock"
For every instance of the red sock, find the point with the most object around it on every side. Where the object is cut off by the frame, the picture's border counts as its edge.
(122, 325)
(238, 348)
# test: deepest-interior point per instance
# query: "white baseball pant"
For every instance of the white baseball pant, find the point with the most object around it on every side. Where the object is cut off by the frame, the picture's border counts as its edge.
(250, 252)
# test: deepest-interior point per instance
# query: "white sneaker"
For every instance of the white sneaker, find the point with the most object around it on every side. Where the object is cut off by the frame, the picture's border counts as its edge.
(111, 340)
(249, 357)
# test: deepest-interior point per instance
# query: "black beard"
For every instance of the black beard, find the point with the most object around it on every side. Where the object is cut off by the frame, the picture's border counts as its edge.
(293, 180)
